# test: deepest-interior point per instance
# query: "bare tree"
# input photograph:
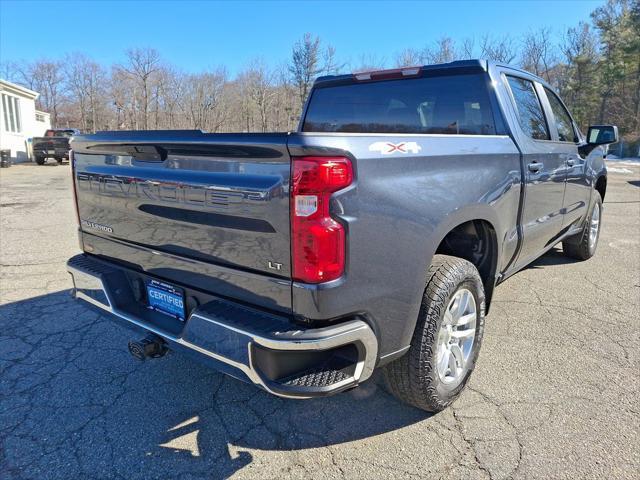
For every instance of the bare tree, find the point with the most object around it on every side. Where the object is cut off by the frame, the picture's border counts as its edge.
(444, 51)
(260, 91)
(10, 71)
(45, 77)
(286, 106)
(408, 57)
(85, 80)
(305, 64)
(537, 53)
(168, 97)
(369, 61)
(142, 64)
(500, 50)
(122, 97)
(241, 92)
(467, 49)
(162, 95)
(202, 100)
(331, 64)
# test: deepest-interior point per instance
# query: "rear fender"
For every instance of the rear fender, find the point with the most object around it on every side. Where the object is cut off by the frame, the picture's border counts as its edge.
(466, 214)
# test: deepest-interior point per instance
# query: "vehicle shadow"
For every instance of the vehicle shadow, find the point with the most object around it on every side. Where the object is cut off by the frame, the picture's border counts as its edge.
(555, 256)
(50, 162)
(70, 386)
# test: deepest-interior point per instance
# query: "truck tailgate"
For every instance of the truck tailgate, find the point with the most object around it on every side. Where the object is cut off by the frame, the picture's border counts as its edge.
(51, 143)
(207, 202)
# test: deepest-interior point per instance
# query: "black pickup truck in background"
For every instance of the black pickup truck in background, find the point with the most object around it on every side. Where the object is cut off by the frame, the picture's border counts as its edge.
(55, 144)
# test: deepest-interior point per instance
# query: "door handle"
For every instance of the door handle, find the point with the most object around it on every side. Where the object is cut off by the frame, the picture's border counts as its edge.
(535, 167)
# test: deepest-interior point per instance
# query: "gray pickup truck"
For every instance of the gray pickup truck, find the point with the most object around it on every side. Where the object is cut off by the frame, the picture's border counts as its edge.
(373, 236)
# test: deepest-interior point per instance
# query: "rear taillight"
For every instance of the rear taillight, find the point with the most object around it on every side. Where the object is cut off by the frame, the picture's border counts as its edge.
(317, 240)
(72, 161)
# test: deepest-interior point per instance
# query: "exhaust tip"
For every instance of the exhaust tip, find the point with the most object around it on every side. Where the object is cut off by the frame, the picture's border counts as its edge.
(152, 346)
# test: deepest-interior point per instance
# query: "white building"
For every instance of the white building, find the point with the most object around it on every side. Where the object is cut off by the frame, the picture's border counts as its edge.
(19, 120)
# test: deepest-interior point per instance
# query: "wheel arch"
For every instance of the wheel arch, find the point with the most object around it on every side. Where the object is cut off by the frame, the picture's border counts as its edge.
(601, 185)
(475, 240)
(459, 219)
(485, 216)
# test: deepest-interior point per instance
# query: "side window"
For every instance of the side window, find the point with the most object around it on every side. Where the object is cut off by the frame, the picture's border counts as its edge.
(566, 133)
(530, 113)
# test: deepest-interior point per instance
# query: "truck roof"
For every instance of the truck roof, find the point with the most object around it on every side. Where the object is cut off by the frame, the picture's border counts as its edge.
(459, 66)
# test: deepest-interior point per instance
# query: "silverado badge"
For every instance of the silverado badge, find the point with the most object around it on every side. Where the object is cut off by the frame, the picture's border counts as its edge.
(97, 226)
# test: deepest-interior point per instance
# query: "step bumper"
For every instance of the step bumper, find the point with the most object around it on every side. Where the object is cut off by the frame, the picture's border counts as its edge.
(247, 343)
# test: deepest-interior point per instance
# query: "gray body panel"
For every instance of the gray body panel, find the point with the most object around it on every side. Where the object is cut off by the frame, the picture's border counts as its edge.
(396, 213)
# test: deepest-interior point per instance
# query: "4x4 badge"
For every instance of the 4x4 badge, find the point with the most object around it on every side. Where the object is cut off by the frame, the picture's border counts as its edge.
(387, 148)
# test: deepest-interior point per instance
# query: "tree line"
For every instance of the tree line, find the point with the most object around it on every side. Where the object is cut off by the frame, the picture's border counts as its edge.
(595, 66)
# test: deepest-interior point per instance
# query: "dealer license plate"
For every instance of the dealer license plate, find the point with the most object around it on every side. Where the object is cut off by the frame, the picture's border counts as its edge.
(166, 299)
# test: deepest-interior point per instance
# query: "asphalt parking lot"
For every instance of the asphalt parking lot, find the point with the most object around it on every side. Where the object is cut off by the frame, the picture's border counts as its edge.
(554, 395)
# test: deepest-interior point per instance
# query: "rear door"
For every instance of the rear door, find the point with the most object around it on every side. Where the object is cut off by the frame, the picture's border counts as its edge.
(545, 170)
(205, 198)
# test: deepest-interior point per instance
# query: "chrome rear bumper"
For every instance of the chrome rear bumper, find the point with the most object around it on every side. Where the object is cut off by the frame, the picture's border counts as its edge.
(250, 344)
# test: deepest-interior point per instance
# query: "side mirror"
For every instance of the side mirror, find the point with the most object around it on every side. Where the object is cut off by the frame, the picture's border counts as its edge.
(602, 134)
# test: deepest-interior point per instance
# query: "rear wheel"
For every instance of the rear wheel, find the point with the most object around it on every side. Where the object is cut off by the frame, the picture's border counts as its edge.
(40, 160)
(59, 159)
(583, 245)
(447, 338)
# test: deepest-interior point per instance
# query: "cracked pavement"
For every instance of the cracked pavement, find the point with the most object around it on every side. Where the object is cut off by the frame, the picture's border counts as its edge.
(554, 394)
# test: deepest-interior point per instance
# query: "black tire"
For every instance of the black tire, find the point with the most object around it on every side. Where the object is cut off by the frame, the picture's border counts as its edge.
(59, 160)
(40, 160)
(579, 246)
(414, 378)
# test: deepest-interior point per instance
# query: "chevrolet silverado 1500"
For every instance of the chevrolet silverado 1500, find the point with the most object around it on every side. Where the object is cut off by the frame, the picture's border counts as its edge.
(373, 236)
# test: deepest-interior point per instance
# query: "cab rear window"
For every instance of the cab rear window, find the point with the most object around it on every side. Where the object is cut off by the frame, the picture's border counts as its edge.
(59, 133)
(453, 105)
